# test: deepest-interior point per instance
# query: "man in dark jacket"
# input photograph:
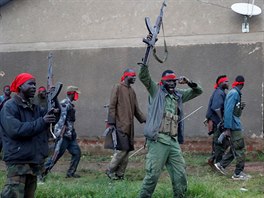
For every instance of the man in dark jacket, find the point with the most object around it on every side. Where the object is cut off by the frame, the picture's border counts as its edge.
(3, 99)
(164, 130)
(6, 96)
(122, 109)
(214, 116)
(25, 140)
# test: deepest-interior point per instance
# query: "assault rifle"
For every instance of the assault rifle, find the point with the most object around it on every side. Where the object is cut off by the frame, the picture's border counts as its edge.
(152, 37)
(52, 91)
(51, 162)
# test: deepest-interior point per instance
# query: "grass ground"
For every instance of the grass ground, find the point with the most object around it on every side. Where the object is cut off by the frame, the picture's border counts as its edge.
(202, 181)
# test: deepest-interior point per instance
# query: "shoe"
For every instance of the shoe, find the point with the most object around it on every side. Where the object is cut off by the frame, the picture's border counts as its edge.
(120, 177)
(220, 168)
(241, 176)
(72, 176)
(40, 180)
(111, 175)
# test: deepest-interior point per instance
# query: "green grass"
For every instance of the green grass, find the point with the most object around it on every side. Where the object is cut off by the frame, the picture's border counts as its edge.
(202, 181)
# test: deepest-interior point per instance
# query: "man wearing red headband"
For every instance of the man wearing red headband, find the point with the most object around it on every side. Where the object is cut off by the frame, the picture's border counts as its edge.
(164, 129)
(41, 98)
(232, 112)
(123, 107)
(66, 134)
(25, 140)
(214, 116)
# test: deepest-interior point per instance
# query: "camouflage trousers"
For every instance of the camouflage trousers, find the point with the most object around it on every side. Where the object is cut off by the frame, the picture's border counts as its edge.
(21, 181)
(158, 156)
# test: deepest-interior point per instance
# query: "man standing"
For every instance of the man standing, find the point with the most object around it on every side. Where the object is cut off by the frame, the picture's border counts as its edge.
(41, 98)
(232, 124)
(6, 96)
(3, 99)
(214, 116)
(122, 109)
(164, 130)
(25, 144)
(66, 135)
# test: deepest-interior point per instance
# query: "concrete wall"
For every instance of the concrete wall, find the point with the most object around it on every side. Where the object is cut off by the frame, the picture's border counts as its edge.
(94, 41)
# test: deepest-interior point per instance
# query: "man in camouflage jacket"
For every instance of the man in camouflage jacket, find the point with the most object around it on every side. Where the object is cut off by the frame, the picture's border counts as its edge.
(66, 135)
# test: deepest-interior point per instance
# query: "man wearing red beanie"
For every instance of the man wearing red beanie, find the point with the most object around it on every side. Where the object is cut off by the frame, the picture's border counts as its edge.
(25, 140)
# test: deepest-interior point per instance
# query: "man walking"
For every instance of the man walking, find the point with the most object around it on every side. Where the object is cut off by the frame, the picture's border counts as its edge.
(25, 140)
(164, 130)
(66, 135)
(122, 109)
(214, 116)
(232, 112)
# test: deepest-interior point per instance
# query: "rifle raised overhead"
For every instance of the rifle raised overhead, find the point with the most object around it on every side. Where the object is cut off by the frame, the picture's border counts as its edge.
(152, 37)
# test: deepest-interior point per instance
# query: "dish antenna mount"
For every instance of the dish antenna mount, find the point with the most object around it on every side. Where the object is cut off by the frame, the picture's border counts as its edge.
(247, 10)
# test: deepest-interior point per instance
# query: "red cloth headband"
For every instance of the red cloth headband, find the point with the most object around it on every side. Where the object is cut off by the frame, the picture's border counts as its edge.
(20, 80)
(169, 77)
(127, 74)
(237, 83)
(6, 86)
(41, 89)
(221, 80)
(76, 95)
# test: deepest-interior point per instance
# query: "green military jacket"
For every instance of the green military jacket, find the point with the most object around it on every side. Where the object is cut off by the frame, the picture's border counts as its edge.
(160, 102)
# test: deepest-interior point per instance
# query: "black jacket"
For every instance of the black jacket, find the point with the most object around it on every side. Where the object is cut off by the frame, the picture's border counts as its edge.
(24, 134)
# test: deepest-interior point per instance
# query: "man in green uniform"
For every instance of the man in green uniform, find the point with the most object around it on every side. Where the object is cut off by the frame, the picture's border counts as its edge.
(164, 130)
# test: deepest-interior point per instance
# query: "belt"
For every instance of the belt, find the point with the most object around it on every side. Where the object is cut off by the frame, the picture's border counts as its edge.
(169, 134)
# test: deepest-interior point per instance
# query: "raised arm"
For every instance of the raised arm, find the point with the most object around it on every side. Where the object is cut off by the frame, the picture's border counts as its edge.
(145, 78)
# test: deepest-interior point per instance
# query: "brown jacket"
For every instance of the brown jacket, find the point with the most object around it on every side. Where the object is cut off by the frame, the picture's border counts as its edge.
(122, 109)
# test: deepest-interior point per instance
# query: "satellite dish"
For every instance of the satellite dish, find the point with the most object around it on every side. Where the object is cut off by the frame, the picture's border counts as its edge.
(247, 10)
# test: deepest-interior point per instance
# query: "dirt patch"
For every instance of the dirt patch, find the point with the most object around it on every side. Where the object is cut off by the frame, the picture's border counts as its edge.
(94, 147)
(197, 145)
(255, 167)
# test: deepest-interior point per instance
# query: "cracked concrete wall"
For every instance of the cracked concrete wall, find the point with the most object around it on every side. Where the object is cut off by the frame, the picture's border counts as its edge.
(94, 41)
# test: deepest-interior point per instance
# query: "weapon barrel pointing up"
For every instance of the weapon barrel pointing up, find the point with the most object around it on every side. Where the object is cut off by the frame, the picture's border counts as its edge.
(151, 39)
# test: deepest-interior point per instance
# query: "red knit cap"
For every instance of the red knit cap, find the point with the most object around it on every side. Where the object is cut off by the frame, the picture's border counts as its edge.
(20, 80)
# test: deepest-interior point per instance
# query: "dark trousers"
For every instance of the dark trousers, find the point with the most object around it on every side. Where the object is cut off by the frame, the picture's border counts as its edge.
(236, 151)
(75, 151)
(218, 150)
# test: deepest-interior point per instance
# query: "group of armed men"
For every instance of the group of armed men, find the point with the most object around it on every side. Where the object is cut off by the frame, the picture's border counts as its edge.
(25, 123)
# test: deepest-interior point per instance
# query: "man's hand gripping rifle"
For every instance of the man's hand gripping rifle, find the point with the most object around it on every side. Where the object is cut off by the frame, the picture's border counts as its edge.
(153, 37)
(53, 92)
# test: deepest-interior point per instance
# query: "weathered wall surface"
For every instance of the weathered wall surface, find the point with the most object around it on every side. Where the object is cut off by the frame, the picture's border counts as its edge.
(94, 41)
